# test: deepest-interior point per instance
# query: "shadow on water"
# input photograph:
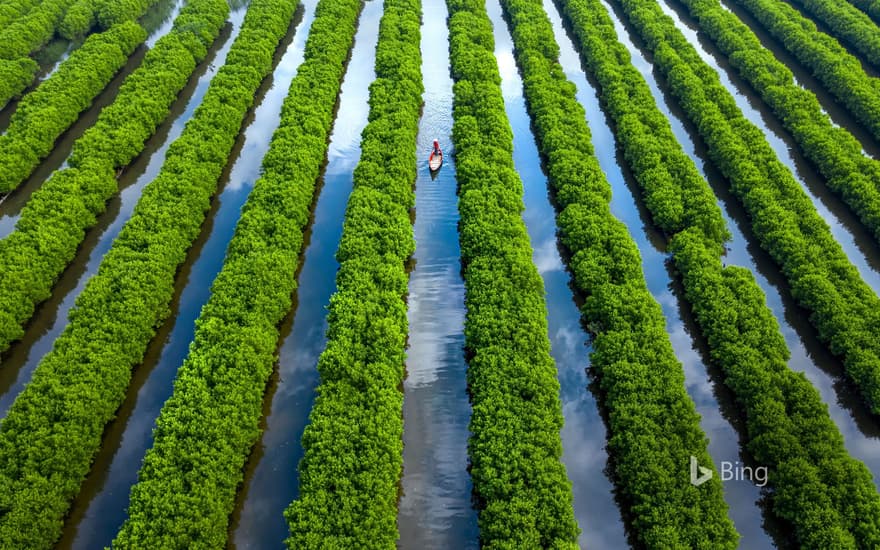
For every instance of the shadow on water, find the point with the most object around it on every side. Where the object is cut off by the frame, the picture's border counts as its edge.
(50, 318)
(271, 478)
(100, 508)
(435, 507)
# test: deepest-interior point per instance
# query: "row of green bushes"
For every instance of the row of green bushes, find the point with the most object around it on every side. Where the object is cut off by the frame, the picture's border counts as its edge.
(848, 24)
(836, 153)
(222, 382)
(842, 307)
(54, 221)
(15, 76)
(653, 426)
(47, 112)
(870, 7)
(54, 427)
(840, 73)
(10, 10)
(781, 408)
(87, 14)
(523, 495)
(31, 31)
(353, 444)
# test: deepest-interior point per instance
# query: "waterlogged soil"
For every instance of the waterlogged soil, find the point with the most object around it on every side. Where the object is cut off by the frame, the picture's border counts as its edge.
(272, 477)
(19, 362)
(435, 505)
(100, 509)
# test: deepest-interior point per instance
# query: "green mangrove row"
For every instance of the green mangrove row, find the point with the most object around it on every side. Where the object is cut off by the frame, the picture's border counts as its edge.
(31, 31)
(87, 14)
(781, 408)
(870, 7)
(53, 429)
(653, 425)
(54, 221)
(15, 76)
(10, 10)
(353, 444)
(837, 154)
(848, 24)
(249, 298)
(523, 496)
(47, 112)
(840, 73)
(842, 307)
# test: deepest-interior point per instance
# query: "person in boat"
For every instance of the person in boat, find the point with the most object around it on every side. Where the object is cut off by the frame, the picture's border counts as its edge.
(436, 150)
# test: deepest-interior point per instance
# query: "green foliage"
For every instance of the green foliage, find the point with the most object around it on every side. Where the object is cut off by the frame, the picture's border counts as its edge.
(653, 424)
(870, 7)
(31, 31)
(827, 497)
(848, 24)
(10, 10)
(353, 450)
(839, 72)
(15, 76)
(523, 495)
(836, 153)
(54, 428)
(112, 12)
(80, 18)
(47, 112)
(250, 296)
(54, 221)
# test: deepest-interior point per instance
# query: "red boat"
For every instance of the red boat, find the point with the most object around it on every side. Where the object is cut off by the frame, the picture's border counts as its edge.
(436, 158)
(435, 161)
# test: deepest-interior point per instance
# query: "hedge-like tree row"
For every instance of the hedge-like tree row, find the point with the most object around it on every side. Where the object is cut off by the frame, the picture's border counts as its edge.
(54, 221)
(653, 426)
(842, 307)
(30, 32)
(15, 76)
(353, 445)
(840, 73)
(836, 153)
(47, 112)
(781, 408)
(14, 9)
(870, 7)
(523, 496)
(848, 24)
(86, 14)
(223, 380)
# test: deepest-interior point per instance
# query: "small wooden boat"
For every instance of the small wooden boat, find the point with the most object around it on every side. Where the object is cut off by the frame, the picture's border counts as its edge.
(435, 161)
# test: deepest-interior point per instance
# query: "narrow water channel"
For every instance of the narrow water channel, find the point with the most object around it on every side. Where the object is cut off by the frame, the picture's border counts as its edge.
(857, 242)
(11, 205)
(19, 362)
(99, 510)
(435, 507)
(808, 355)
(272, 477)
